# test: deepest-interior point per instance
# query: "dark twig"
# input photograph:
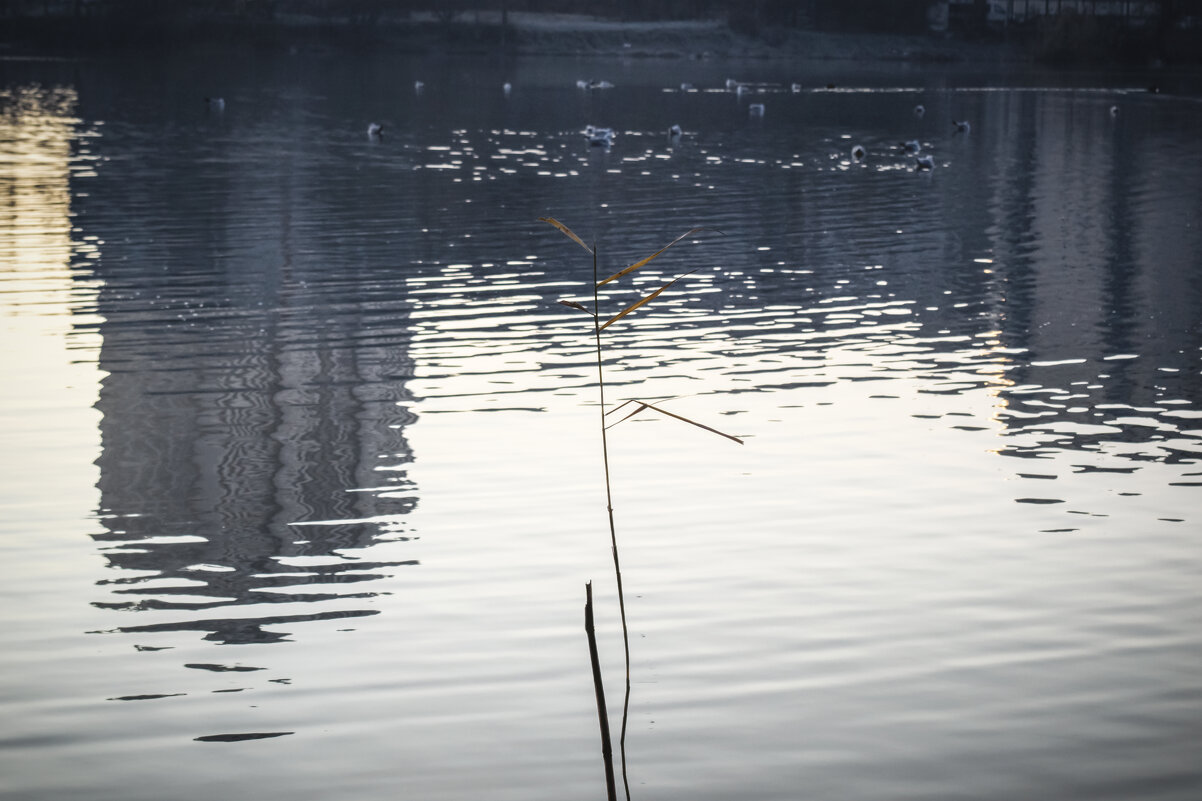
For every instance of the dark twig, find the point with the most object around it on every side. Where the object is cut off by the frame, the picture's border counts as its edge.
(598, 325)
(613, 534)
(599, 686)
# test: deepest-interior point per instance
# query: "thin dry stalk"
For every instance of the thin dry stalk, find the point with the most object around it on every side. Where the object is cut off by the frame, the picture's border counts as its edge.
(607, 753)
(613, 533)
(598, 326)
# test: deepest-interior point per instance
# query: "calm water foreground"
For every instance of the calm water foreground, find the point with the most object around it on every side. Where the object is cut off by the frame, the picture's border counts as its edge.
(301, 480)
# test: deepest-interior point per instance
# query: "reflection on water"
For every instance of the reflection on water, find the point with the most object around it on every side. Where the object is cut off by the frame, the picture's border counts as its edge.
(334, 383)
(38, 128)
(234, 410)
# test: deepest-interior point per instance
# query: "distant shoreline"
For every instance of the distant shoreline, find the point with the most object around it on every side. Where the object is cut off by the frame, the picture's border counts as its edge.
(527, 34)
(545, 34)
(1053, 41)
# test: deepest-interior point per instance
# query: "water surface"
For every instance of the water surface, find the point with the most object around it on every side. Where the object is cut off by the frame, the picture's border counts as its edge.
(302, 480)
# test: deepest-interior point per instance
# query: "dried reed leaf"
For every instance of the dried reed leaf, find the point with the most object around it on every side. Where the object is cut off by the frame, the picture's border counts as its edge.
(571, 304)
(644, 301)
(640, 408)
(639, 264)
(620, 406)
(566, 231)
(691, 422)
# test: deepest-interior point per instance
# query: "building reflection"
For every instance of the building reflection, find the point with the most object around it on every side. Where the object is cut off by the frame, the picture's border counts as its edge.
(253, 455)
(1095, 276)
(207, 464)
(37, 128)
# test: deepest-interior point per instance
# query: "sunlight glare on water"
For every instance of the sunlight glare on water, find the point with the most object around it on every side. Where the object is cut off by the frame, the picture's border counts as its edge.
(305, 477)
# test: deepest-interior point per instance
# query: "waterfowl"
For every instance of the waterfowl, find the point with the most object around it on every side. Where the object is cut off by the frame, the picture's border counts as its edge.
(742, 89)
(858, 153)
(674, 131)
(687, 87)
(924, 163)
(507, 87)
(599, 137)
(912, 146)
(796, 88)
(756, 109)
(962, 126)
(215, 103)
(1114, 111)
(731, 83)
(919, 110)
(418, 86)
(374, 129)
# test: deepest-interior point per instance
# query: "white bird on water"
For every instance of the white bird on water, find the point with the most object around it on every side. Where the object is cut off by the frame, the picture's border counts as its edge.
(599, 137)
(675, 132)
(858, 153)
(418, 86)
(756, 109)
(919, 110)
(912, 146)
(507, 88)
(962, 126)
(215, 103)
(374, 129)
(924, 163)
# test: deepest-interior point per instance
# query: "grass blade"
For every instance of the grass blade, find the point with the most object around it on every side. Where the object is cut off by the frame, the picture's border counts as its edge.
(571, 304)
(621, 405)
(642, 302)
(639, 264)
(640, 408)
(566, 231)
(691, 422)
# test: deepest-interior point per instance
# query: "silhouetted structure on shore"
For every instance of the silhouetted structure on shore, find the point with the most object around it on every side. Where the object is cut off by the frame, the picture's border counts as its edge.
(1052, 29)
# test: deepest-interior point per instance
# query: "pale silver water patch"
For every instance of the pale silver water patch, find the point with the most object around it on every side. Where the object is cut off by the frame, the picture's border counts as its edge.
(346, 483)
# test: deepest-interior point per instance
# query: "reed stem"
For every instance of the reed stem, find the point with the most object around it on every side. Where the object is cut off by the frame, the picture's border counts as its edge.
(640, 406)
(613, 536)
(599, 687)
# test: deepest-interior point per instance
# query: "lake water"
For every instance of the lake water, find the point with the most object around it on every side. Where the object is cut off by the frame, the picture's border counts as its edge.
(302, 481)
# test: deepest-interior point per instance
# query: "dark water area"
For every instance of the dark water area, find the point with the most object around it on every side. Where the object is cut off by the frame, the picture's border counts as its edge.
(303, 477)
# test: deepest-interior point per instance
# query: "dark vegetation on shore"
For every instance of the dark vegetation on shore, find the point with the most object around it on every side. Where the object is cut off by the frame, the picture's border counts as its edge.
(683, 28)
